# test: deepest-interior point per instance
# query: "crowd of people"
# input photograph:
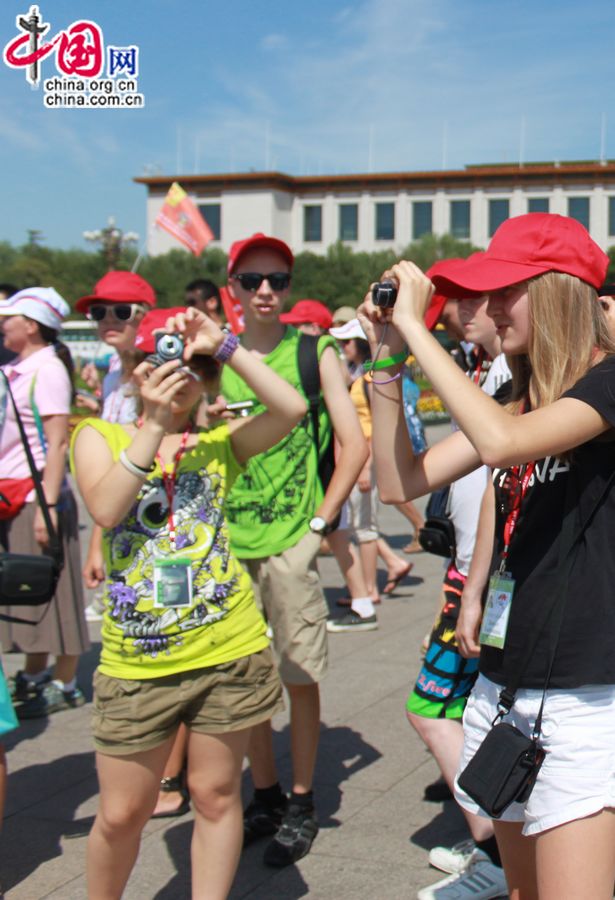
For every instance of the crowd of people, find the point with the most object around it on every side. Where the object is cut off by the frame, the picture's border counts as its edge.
(217, 467)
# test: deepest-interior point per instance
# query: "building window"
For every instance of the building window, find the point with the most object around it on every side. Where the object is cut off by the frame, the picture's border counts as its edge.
(578, 208)
(211, 214)
(421, 218)
(499, 211)
(460, 218)
(349, 222)
(312, 223)
(538, 204)
(385, 221)
(611, 215)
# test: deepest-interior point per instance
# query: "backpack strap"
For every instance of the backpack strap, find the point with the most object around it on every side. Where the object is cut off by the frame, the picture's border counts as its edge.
(309, 374)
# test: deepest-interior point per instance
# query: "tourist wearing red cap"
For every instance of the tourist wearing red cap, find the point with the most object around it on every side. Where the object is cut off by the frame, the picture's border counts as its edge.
(551, 449)
(116, 305)
(309, 316)
(436, 703)
(278, 514)
(183, 641)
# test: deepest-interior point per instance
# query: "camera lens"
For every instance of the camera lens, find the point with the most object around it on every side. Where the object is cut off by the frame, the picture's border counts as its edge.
(169, 346)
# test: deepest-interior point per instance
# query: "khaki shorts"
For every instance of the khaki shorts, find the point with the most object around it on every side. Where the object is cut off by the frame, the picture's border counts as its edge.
(288, 592)
(363, 513)
(132, 716)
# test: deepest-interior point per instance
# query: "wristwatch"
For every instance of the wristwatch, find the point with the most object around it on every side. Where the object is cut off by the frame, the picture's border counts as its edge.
(320, 526)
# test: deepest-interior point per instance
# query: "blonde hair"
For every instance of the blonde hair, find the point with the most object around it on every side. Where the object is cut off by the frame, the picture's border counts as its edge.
(567, 326)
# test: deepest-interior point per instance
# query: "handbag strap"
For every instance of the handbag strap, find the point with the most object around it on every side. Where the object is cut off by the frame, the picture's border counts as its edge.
(569, 542)
(54, 541)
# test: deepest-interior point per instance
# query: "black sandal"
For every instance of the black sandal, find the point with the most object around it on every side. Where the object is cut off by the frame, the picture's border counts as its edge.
(176, 784)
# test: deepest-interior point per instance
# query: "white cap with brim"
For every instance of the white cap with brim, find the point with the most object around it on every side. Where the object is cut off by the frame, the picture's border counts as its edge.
(43, 304)
(349, 331)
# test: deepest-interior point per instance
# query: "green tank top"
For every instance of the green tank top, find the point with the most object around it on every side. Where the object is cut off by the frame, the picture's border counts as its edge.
(272, 502)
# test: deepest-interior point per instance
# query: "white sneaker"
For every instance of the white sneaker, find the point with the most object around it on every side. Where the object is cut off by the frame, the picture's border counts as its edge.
(480, 880)
(452, 859)
(94, 612)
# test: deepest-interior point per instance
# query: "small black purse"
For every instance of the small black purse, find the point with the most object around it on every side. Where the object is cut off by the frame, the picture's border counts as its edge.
(438, 533)
(503, 770)
(26, 579)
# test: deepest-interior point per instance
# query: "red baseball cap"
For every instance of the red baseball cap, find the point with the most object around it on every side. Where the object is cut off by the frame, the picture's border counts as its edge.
(522, 248)
(154, 320)
(308, 311)
(119, 287)
(438, 300)
(258, 240)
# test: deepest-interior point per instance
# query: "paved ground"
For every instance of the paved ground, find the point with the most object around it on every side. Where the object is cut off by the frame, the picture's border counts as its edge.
(375, 826)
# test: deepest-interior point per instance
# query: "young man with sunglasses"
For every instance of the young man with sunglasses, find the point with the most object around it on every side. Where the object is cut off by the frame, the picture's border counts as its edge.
(278, 516)
(117, 304)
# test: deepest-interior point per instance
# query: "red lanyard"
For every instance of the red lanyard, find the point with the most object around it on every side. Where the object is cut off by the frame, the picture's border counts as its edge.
(513, 516)
(481, 357)
(169, 479)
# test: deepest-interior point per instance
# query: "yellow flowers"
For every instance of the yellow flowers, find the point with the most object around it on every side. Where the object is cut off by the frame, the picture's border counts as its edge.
(430, 408)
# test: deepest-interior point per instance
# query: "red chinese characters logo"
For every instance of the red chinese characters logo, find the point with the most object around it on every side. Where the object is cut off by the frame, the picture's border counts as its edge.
(80, 51)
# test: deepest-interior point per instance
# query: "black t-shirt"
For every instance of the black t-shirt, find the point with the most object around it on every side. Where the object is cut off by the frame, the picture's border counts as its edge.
(586, 646)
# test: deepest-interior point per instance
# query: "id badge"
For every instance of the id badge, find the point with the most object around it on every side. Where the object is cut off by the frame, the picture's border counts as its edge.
(172, 583)
(497, 610)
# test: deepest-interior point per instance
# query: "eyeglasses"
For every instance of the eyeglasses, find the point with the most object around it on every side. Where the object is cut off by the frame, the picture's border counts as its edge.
(123, 312)
(251, 281)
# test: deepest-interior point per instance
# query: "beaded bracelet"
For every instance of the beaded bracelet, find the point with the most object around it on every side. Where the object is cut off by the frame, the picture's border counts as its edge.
(227, 348)
(387, 380)
(389, 361)
(133, 468)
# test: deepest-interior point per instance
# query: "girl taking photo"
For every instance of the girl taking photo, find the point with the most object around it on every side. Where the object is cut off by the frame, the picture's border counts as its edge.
(551, 447)
(182, 639)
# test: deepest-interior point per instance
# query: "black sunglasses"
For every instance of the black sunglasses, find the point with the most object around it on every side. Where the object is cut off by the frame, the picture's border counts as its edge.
(123, 312)
(251, 281)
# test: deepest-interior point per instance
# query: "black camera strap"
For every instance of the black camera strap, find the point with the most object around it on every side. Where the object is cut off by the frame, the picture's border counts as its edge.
(569, 544)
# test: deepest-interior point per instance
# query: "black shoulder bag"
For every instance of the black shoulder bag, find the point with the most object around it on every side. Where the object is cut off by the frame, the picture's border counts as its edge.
(438, 533)
(309, 373)
(25, 579)
(505, 766)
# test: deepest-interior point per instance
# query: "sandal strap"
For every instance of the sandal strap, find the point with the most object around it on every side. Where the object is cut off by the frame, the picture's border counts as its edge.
(172, 784)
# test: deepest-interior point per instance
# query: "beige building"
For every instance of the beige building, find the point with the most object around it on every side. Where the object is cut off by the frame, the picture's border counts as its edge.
(389, 209)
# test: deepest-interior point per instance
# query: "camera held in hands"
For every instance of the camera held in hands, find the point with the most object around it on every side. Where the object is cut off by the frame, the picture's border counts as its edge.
(168, 347)
(384, 294)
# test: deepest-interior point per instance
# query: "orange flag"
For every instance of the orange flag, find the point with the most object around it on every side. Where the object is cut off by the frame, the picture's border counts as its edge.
(180, 217)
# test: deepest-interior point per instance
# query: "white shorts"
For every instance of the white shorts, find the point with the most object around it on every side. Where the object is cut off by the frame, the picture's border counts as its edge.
(577, 778)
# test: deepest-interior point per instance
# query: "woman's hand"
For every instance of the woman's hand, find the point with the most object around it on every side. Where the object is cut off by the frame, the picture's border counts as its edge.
(374, 320)
(93, 569)
(41, 534)
(91, 376)
(158, 386)
(413, 295)
(200, 333)
(468, 626)
(364, 482)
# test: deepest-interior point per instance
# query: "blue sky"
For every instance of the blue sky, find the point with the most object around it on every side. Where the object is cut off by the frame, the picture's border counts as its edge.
(300, 87)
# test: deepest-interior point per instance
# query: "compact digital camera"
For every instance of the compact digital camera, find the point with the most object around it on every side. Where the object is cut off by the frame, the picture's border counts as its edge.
(384, 294)
(168, 347)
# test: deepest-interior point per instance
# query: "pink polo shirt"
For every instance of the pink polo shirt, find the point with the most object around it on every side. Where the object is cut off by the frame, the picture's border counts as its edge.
(52, 394)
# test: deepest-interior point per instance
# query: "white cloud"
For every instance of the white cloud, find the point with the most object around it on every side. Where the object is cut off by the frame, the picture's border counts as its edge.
(273, 41)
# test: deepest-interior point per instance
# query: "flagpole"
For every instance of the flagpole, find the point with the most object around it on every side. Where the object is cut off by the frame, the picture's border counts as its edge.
(143, 251)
